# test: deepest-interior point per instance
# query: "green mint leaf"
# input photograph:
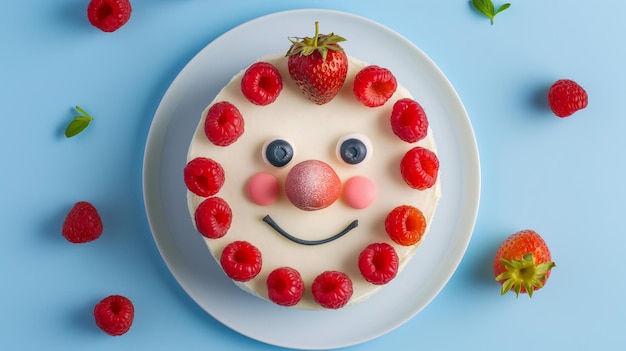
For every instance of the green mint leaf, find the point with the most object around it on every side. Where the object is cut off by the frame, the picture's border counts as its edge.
(78, 124)
(502, 8)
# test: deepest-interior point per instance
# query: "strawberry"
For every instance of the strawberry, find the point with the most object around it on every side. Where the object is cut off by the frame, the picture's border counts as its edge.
(261, 83)
(114, 314)
(285, 286)
(405, 225)
(241, 261)
(108, 15)
(318, 65)
(82, 224)
(332, 289)
(374, 85)
(566, 97)
(522, 263)
(378, 263)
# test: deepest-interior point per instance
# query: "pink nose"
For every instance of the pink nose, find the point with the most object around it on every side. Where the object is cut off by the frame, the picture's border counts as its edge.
(312, 185)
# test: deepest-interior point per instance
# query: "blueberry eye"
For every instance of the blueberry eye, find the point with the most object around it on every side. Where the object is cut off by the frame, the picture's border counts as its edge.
(354, 149)
(277, 152)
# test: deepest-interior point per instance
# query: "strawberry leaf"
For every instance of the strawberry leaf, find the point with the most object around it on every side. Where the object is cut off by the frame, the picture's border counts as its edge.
(78, 124)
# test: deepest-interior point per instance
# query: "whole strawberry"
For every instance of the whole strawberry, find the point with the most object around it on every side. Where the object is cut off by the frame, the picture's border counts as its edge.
(566, 97)
(318, 65)
(523, 263)
(114, 314)
(82, 224)
(108, 15)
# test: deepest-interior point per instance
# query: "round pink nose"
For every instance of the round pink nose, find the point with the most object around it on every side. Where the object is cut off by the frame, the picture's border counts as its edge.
(312, 185)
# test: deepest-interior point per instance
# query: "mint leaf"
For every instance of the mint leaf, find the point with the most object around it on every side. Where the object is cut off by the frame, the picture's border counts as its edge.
(78, 124)
(487, 8)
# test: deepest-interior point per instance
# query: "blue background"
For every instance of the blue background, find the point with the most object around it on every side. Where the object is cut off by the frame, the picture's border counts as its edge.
(565, 178)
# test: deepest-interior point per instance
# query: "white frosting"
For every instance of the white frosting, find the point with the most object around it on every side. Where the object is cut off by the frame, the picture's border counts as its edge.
(315, 131)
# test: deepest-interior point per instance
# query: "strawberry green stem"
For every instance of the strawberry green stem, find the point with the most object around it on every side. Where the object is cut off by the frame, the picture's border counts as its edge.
(317, 32)
(524, 274)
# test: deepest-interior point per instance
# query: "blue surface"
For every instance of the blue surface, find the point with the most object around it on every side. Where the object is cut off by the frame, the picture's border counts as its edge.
(564, 178)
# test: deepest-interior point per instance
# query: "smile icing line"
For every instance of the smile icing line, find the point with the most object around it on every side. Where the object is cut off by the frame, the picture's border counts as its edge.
(267, 219)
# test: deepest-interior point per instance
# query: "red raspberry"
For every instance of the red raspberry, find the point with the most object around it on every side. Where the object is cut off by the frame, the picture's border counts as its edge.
(82, 224)
(241, 261)
(419, 168)
(261, 83)
(213, 217)
(108, 15)
(224, 124)
(409, 121)
(203, 176)
(332, 289)
(114, 314)
(285, 286)
(378, 263)
(566, 97)
(374, 85)
(405, 225)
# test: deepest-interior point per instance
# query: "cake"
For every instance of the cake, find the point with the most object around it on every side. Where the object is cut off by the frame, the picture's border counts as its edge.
(259, 205)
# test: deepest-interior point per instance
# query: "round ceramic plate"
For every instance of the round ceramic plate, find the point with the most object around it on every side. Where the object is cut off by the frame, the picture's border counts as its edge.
(184, 251)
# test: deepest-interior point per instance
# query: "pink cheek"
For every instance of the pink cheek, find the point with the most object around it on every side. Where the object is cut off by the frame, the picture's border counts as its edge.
(359, 192)
(263, 189)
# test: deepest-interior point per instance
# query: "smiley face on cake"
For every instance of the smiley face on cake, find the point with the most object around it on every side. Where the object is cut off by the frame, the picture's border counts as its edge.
(309, 197)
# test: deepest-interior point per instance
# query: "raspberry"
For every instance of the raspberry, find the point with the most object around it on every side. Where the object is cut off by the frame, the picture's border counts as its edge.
(261, 83)
(374, 85)
(566, 97)
(408, 120)
(82, 224)
(213, 217)
(332, 289)
(114, 314)
(241, 261)
(419, 168)
(224, 124)
(285, 286)
(203, 176)
(405, 225)
(108, 15)
(378, 263)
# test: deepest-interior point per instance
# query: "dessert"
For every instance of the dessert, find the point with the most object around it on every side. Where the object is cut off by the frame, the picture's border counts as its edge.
(299, 197)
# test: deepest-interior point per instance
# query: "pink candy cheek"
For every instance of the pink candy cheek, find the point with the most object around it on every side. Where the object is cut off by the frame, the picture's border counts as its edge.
(263, 189)
(359, 192)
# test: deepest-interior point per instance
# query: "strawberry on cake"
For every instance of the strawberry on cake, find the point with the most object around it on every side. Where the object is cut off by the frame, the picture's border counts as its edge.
(313, 176)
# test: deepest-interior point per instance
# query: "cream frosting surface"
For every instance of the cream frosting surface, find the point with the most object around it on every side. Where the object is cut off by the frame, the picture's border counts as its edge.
(314, 131)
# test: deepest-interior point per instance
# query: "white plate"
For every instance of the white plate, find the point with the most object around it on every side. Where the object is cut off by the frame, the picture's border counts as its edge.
(186, 255)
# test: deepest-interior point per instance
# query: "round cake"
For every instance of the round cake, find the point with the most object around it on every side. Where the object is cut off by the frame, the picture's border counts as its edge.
(311, 205)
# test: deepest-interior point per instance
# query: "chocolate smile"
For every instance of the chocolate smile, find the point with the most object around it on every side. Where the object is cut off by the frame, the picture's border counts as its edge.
(267, 219)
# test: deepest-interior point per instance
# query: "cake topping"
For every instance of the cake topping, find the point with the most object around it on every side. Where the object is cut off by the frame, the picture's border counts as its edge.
(359, 192)
(285, 286)
(267, 219)
(263, 189)
(405, 225)
(312, 185)
(408, 120)
(419, 168)
(277, 152)
(354, 149)
(203, 176)
(223, 124)
(241, 261)
(261, 83)
(318, 65)
(378, 263)
(213, 217)
(374, 85)
(332, 289)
